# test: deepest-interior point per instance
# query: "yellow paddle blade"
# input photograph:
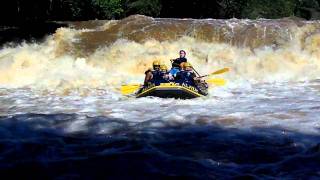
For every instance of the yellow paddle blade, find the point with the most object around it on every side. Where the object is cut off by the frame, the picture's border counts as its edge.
(131, 86)
(216, 81)
(220, 71)
(129, 89)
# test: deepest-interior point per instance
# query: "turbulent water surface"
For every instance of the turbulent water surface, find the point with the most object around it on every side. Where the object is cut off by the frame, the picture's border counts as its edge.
(62, 116)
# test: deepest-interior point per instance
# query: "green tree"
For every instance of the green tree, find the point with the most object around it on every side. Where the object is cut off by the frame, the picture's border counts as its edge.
(269, 8)
(145, 7)
(232, 8)
(108, 9)
(308, 9)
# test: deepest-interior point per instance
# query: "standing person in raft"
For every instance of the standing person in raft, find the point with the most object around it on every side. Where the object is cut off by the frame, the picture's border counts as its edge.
(176, 62)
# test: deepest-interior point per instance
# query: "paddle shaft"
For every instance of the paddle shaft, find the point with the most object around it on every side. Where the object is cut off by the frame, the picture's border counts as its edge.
(196, 72)
(217, 72)
(203, 76)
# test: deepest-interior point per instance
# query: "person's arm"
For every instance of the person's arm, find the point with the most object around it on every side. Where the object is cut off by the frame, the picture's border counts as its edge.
(147, 71)
(198, 79)
(176, 63)
(148, 76)
(194, 77)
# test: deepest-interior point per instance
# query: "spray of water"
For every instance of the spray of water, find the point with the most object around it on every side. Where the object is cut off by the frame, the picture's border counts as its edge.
(66, 61)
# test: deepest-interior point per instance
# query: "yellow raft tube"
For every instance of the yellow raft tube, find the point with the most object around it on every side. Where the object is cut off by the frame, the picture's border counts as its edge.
(170, 90)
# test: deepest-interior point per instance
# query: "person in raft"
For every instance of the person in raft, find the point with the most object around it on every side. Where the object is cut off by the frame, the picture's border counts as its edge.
(153, 75)
(177, 62)
(191, 77)
(165, 73)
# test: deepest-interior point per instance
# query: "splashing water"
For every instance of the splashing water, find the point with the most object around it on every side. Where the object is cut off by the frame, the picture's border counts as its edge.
(66, 60)
(62, 114)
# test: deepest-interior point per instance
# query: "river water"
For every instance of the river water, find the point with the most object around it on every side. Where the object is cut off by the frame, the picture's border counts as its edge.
(62, 115)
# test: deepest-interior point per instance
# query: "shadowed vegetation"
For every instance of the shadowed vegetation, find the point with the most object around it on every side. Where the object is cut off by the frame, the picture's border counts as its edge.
(18, 11)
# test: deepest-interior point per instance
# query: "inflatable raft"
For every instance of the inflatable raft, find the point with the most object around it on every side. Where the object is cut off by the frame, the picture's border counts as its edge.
(172, 90)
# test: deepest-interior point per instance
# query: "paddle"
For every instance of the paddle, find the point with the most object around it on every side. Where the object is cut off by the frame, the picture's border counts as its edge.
(217, 72)
(129, 88)
(196, 72)
(217, 81)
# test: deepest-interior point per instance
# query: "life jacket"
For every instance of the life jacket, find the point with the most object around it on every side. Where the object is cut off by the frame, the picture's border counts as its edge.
(176, 63)
(158, 77)
(174, 71)
(186, 77)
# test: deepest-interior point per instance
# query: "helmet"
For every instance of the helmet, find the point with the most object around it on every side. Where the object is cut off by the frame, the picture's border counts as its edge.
(186, 64)
(163, 67)
(156, 63)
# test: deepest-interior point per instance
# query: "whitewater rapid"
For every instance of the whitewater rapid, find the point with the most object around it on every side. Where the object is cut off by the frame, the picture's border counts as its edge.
(61, 109)
(63, 74)
(67, 60)
(291, 106)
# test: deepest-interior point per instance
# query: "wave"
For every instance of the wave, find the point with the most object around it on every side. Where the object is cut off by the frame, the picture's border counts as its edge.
(105, 54)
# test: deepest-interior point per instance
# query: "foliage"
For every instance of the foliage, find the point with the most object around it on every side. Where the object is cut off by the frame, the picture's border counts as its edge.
(108, 9)
(308, 9)
(232, 8)
(44, 10)
(146, 7)
(269, 8)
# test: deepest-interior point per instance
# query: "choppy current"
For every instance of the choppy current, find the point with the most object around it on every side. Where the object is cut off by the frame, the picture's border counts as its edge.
(265, 131)
(62, 115)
